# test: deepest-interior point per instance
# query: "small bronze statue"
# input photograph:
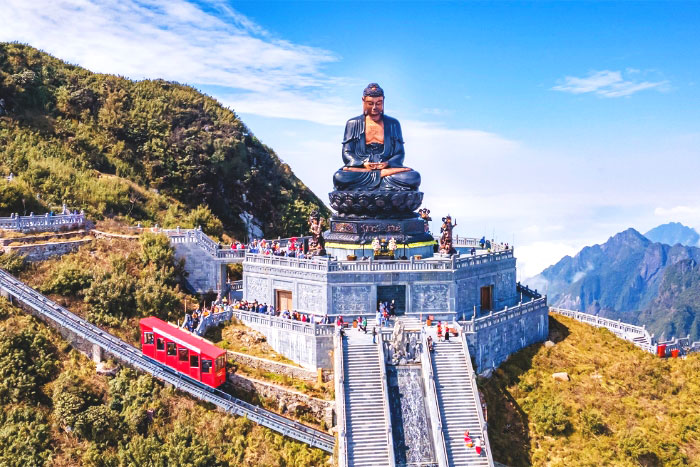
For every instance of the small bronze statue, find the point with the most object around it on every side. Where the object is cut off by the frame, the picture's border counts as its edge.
(317, 246)
(425, 215)
(446, 235)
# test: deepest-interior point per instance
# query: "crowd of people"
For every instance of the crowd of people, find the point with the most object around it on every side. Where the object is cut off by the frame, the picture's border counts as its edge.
(220, 305)
(294, 248)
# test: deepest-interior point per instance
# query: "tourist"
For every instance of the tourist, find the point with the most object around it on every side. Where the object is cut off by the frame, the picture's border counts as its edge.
(439, 330)
(480, 446)
(364, 324)
(473, 251)
(447, 333)
(374, 334)
(468, 439)
(430, 343)
(379, 318)
(392, 308)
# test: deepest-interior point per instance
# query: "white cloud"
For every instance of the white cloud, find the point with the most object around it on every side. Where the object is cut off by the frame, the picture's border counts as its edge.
(607, 83)
(168, 39)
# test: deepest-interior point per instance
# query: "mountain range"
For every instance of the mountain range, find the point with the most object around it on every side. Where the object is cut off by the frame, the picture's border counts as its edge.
(631, 278)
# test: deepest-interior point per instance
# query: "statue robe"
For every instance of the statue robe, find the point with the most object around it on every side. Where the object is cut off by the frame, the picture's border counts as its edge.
(356, 152)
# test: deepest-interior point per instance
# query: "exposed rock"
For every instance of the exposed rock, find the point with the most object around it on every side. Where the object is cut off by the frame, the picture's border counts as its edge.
(486, 373)
(549, 344)
(104, 369)
(561, 376)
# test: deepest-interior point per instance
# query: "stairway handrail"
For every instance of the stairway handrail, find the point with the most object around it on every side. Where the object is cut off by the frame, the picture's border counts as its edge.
(385, 402)
(477, 399)
(432, 398)
(340, 399)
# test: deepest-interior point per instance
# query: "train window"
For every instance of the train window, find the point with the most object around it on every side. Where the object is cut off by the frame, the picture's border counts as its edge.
(194, 361)
(182, 354)
(160, 344)
(220, 362)
(171, 348)
(148, 338)
(206, 366)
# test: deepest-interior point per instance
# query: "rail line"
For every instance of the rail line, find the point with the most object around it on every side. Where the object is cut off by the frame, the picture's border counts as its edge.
(133, 357)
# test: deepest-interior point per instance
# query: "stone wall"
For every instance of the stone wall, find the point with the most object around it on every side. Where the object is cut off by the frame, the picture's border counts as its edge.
(289, 402)
(204, 272)
(43, 251)
(274, 367)
(494, 337)
(307, 350)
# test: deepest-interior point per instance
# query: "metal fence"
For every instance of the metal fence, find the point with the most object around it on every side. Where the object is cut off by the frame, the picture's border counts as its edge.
(133, 357)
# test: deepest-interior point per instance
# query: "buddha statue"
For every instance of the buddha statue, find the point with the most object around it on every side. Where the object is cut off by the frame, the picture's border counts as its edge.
(373, 150)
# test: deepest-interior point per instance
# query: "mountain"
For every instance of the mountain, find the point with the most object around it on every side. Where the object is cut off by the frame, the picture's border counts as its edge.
(631, 278)
(144, 151)
(672, 233)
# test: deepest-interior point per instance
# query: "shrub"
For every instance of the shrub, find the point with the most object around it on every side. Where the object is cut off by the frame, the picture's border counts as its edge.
(592, 422)
(13, 262)
(25, 437)
(551, 417)
(67, 278)
(27, 361)
(111, 298)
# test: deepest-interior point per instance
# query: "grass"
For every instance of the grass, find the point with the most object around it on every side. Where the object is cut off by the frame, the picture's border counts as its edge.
(622, 406)
(238, 337)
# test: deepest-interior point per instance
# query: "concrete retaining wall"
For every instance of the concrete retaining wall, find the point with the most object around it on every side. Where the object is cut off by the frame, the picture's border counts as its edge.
(43, 251)
(289, 402)
(273, 367)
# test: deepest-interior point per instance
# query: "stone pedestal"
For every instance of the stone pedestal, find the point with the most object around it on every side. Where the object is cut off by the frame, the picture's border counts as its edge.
(362, 216)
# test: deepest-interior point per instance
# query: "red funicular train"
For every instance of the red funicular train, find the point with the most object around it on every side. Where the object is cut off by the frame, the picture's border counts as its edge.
(183, 352)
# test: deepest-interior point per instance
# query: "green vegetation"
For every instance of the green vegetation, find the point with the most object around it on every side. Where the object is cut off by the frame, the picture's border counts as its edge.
(147, 151)
(115, 282)
(622, 406)
(12, 262)
(58, 411)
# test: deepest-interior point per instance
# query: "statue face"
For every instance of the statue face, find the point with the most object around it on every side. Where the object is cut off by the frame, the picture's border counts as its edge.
(373, 106)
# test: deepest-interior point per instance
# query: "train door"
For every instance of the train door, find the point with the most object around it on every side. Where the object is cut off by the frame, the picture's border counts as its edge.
(194, 366)
(170, 354)
(183, 360)
(148, 342)
(160, 348)
(207, 370)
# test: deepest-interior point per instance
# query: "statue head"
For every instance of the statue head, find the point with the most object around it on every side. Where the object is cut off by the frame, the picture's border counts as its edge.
(373, 101)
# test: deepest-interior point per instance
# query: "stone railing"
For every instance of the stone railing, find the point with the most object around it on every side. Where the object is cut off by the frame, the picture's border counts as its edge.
(506, 314)
(339, 372)
(477, 399)
(527, 291)
(432, 402)
(638, 335)
(44, 223)
(330, 265)
(385, 402)
(312, 329)
(210, 246)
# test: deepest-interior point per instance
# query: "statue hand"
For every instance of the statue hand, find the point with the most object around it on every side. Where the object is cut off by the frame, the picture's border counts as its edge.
(369, 165)
(381, 165)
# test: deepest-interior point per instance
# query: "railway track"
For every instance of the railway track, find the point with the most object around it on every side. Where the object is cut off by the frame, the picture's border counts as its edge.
(133, 357)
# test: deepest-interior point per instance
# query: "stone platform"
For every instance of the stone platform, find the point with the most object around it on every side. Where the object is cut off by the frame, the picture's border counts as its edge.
(353, 236)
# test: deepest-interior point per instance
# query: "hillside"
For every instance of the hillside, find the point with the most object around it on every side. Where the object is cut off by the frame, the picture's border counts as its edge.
(57, 411)
(143, 151)
(621, 407)
(672, 233)
(624, 278)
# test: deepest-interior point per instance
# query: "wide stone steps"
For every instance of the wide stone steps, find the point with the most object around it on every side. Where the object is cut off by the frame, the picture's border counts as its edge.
(458, 407)
(365, 419)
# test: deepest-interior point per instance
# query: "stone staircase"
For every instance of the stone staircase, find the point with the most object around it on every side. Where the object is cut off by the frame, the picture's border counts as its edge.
(365, 417)
(458, 407)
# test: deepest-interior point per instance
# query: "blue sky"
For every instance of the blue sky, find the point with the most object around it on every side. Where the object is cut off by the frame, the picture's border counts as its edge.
(551, 125)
